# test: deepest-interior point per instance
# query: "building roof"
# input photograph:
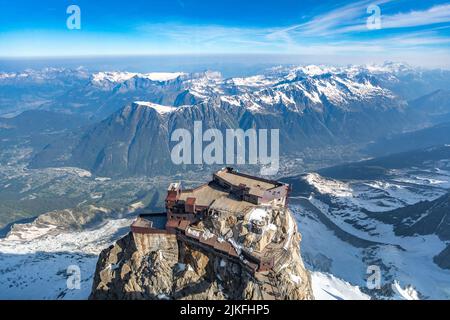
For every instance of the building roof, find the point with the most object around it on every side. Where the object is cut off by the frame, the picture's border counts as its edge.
(142, 223)
(228, 204)
(204, 194)
(257, 186)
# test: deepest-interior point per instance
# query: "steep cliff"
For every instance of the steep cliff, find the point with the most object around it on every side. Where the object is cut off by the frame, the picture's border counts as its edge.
(158, 266)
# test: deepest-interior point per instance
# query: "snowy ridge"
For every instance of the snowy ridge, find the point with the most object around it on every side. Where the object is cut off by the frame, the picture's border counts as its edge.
(253, 81)
(118, 77)
(296, 88)
(293, 88)
(157, 107)
(328, 287)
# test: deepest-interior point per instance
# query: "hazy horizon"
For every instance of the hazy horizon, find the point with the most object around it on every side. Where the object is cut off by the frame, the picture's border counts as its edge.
(338, 32)
(228, 65)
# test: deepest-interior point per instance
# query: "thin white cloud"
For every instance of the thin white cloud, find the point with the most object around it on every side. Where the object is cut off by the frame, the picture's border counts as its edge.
(335, 25)
(434, 15)
(353, 18)
(300, 39)
(203, 35)
(331, 22)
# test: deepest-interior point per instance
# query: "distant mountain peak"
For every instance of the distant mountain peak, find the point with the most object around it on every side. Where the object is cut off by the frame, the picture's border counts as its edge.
(117, 77)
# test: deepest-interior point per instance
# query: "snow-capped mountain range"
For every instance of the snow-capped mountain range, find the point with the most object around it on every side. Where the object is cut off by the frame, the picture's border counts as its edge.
(118, 77)
(294, 87)
(314, 107)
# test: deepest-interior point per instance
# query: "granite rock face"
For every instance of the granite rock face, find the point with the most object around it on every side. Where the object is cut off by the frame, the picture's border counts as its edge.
(160, 266)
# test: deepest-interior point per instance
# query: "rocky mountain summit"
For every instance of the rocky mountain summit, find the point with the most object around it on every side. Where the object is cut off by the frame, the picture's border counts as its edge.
(215, 245)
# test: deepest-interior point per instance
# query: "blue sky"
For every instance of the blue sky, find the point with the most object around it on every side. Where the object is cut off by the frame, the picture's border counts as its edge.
(413, 31)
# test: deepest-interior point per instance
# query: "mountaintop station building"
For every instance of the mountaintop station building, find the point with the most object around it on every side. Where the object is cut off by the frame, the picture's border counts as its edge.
(229, 194)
